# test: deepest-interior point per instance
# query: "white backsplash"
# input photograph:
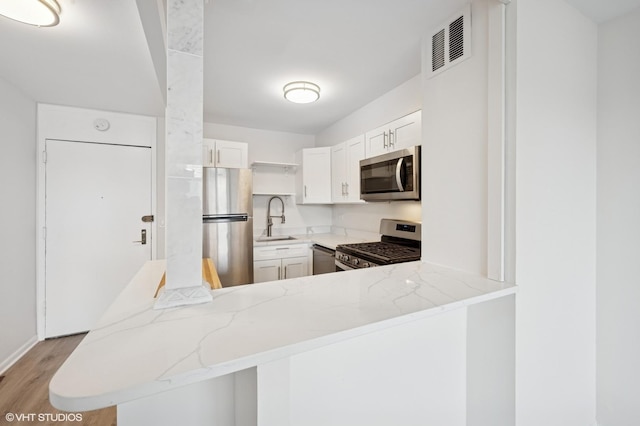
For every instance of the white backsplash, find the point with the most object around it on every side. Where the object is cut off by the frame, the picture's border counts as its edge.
(365, 218)
(300, 219)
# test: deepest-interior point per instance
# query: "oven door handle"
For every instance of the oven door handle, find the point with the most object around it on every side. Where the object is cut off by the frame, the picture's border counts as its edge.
(399, 175)
(343, 266)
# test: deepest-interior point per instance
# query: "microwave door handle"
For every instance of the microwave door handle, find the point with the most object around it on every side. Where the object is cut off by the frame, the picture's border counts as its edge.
(399, 175)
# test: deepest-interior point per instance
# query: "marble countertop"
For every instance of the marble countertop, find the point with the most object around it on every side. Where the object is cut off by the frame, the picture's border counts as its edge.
(136, 351)
(326, 240)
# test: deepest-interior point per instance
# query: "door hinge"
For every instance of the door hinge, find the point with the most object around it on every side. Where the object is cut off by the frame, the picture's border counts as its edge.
(44, 156)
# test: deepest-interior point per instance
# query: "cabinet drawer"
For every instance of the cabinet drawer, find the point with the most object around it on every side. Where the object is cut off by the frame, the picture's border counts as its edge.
(280, 251)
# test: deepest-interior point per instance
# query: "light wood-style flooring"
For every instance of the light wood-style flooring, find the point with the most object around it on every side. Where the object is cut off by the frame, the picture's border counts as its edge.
(24, 388)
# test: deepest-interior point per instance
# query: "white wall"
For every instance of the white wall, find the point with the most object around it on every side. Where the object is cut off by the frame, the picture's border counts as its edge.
(398, 102)
(272, 146)
(17, 223)
(454, 203)
(555, 214)
(264, 145)
(618, 223)
(454, 157)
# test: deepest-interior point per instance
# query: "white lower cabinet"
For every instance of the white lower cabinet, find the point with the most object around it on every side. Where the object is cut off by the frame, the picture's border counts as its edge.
(267, 270)
(272, 263)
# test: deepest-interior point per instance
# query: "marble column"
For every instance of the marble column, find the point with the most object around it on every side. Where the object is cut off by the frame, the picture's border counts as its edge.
(184, 117)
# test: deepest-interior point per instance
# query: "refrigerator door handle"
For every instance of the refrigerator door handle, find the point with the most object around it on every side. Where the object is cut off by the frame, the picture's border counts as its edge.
(224, 218)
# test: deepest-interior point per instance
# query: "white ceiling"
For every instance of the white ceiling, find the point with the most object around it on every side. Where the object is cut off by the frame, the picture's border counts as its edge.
(603, 10)
(96, 57)
(356, 50)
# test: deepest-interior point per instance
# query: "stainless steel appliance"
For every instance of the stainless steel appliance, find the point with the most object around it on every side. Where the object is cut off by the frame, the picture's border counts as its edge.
(392, 176)
(323, 259)
(227, 209)
(400, 242)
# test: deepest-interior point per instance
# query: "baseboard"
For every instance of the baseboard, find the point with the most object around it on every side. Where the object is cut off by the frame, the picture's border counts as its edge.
(14, 357)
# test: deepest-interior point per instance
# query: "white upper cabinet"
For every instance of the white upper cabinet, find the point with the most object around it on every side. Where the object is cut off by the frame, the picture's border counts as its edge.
(338, 172)
(313, 176)
(401, 133)
(377, 141)
(345, 170)
(227, 154)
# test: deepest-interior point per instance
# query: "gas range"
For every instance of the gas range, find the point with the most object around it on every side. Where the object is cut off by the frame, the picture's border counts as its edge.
(400, 242)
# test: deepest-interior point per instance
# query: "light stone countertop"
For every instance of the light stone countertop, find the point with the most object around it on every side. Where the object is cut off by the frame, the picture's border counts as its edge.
(136, 351)
(326, 239)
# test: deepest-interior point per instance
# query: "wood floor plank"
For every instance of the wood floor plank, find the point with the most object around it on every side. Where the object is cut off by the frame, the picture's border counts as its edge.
(25, 387)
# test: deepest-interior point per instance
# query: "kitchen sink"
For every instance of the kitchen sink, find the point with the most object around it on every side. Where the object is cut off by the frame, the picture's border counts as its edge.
(275, 238)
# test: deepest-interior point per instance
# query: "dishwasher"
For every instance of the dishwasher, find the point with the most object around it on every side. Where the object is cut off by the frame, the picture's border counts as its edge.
(323, 260)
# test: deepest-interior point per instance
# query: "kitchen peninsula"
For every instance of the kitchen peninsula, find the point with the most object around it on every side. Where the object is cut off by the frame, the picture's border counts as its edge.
(404, 344)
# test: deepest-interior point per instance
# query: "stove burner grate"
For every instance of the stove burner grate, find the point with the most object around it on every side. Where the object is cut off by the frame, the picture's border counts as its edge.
(387, 252)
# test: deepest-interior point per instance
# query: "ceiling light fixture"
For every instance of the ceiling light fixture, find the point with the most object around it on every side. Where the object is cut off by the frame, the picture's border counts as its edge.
(41, 13)
(301, 92)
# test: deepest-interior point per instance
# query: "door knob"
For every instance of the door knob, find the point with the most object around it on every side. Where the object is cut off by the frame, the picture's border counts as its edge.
(143, 237)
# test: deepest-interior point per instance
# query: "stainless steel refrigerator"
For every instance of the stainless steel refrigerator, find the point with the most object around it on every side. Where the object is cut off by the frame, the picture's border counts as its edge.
(228, 223)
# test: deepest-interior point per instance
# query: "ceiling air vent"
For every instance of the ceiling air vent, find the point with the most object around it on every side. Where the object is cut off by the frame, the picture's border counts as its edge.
(451, 42)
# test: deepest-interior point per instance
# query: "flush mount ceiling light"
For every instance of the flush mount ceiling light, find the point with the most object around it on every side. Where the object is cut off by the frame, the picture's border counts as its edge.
(301, 92)
(41, 13)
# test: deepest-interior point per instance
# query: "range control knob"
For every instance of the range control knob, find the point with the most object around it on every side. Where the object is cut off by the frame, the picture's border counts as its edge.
(366, 265)
(356, 261)
(345, 257)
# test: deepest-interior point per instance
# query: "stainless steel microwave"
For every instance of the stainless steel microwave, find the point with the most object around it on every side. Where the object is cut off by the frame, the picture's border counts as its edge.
(392, 176)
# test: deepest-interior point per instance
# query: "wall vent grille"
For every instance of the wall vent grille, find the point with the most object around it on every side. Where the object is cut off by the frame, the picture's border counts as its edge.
(451, 42)
(456, 39)
(437, 50)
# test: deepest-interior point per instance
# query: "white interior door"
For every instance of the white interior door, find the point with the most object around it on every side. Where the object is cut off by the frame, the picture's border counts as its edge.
(96, 195)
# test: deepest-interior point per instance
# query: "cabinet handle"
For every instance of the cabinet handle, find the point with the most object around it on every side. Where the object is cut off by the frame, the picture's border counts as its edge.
(342, 184)
(211, 157)
(279, 277)
(391, 141)
(346, 185)
(305, 191)
(218, 157)
(285, 273)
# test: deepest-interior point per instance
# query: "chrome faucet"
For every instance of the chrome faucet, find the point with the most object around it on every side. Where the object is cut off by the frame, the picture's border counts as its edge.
(269, 220)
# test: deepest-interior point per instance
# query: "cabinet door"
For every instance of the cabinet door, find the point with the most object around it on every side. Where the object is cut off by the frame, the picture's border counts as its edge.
(355, 152)
(406, 131)
(232, 155)
(338, 172)
(208, 153)
(314, 180)
(295, 267)
(377, 141)
(267, 270)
